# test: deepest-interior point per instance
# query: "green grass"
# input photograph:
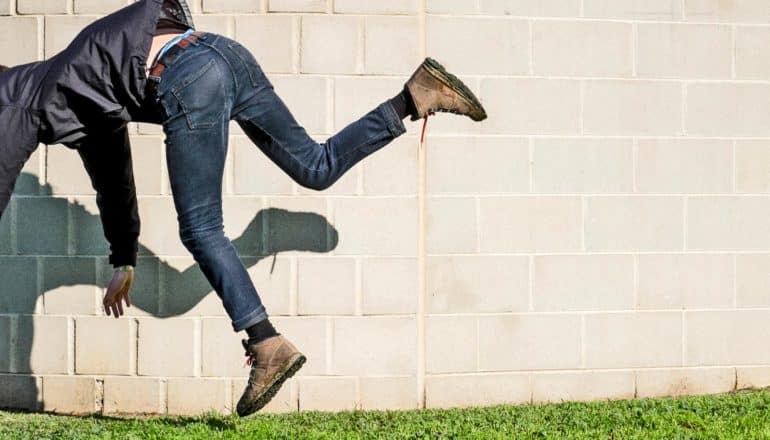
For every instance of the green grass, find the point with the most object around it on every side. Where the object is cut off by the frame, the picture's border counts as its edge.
(740, 415)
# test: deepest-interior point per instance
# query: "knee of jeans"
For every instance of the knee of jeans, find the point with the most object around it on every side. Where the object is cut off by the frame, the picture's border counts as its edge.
(204, 233)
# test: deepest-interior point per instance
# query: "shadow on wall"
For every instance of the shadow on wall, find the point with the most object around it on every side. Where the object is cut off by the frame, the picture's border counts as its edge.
(271, 231)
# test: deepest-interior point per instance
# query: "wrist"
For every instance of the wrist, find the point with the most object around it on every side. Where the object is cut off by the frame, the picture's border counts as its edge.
(124, 268)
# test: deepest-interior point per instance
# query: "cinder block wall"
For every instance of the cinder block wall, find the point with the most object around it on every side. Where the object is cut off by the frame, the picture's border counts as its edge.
(603, 235)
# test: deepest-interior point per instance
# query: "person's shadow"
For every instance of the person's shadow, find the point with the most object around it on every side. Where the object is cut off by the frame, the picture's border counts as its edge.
(272, 230)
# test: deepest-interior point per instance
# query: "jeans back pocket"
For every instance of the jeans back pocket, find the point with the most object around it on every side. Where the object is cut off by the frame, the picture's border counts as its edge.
(201, 93)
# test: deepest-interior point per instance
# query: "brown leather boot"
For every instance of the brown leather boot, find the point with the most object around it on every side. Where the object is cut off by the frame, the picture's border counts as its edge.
(272, 360)
(433, 89)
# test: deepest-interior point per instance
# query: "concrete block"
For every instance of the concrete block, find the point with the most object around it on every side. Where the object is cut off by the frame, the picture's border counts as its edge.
(70, 395)
(392, 170)
(684, 166)
(516, 224)
(310, 336)
(752, 57)
(451, 225)
(752, 280)
(728, 109)
(297, 6)
(18, 291)
(531, 106)
(273, 281)
(60, 30)
(390, 45)
(376, 226)
(633, 339)
(326, 286)
(559, 387)
(327, 394)
(158, 357)
(391, 346)
(672, 50)
(582, 165)
(307, 99)
(66, 173)
(163, 237)
(42, 345)
(634, 9)
(98, 6)
(694, 281)
(197, 396)
(42, 7)
(186, 291)
(583, 282)
(388, 393)
(87, 231)
(462, 284)
(20, 392)
(478, 165)
(255, 173)
(739, 11)
(244, 220)
(645, 223)
(752, 167)
(131, 395)
(105, 345)
(69, 286)
(298, 225)
(221, 350)
(729, 338)
(332, 44)
(684, 381)
(384, 7)
(232, 6)
(468, 390)
(451, 344)
(582, 48)
(7, 340)
(147, 159)
(389, 285)
(281, 30)
(529, 342)
(19, 39)
(455, 42)
(728, 223)
(619, 107)
(752, 377)
(48, 235)
(452, 7)
(556, 8)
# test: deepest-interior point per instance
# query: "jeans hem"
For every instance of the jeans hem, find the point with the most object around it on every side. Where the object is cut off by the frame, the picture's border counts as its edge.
(260, 314)
(394, 123)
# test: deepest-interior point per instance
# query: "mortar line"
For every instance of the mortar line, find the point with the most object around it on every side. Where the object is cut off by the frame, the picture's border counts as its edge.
(421, 251)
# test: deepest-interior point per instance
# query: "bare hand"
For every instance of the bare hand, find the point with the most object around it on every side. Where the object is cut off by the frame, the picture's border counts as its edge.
(118, 291)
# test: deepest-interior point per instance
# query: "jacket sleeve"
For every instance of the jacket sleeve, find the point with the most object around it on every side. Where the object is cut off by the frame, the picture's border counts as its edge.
(107, 159)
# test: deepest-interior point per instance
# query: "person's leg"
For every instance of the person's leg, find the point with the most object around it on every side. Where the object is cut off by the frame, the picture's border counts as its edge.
(271, 126)
(196, 129)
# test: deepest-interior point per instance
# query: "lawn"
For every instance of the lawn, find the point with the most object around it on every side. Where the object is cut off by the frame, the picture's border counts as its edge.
(739, 415)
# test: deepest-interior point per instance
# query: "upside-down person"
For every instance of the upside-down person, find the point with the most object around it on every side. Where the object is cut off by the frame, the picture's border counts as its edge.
(147, 63)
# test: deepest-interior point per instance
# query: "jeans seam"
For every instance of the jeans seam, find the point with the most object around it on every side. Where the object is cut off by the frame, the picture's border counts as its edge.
(245, 320)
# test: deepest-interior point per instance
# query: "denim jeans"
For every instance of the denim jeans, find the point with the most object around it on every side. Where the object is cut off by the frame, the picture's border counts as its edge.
(215, 80)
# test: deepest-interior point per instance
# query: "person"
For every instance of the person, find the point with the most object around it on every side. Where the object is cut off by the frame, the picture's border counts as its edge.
(194, 84)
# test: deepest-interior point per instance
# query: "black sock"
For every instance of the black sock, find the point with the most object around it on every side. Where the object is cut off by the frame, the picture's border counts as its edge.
(260, 331)
(403, 104)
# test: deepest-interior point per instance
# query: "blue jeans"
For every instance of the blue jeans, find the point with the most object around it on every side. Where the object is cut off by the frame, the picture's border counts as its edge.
(215, 80)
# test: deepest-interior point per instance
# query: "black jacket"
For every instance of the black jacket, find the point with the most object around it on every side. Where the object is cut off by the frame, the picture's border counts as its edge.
(83, 97)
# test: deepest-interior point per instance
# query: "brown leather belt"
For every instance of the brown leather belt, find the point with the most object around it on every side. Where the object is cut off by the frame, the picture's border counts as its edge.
(166, 59)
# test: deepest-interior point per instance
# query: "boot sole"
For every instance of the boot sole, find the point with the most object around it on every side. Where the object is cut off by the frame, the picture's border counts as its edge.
(292, 367)
(454, 83)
